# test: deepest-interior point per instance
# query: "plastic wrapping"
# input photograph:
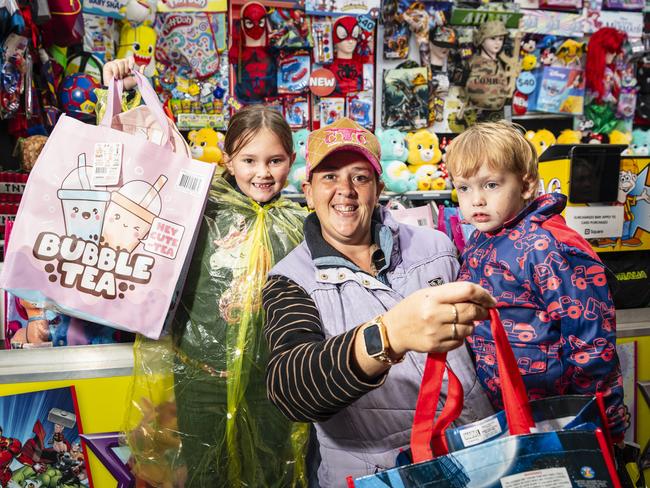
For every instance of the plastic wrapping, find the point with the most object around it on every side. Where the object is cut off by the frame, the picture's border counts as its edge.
(228, 432)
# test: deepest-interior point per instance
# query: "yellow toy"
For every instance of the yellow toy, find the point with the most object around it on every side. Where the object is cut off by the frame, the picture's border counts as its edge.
(426, 176)
(423, 148)
(542, 139)
(139, 42)
(205, 145)
(139, 12)
(568, 136)
(528, 62)
(570, 52)
(618, 137)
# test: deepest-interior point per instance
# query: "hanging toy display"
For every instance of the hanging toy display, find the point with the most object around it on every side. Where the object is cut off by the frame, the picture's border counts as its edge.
(139, 42)
(139, 12)
(493, 72)
(419, 20)
(602, 78)
(347, 65)
(254, 65)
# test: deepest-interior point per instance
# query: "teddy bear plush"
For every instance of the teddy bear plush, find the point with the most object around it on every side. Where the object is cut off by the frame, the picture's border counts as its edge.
(396, 174)
(205, 145)
(298, 171)
(423, 157)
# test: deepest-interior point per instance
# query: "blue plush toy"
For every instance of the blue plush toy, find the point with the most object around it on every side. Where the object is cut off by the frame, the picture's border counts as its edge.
(640, 145)
(396, 174)
(298, 171)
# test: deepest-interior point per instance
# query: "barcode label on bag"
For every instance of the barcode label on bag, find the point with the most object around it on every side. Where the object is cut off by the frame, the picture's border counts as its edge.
(107, 163)
(480, 431)
(190, 182)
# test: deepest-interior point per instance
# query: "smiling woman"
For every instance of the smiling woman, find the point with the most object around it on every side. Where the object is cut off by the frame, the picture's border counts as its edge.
(352, 301)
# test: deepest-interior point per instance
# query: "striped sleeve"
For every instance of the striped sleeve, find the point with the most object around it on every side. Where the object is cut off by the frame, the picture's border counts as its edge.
(309, 378)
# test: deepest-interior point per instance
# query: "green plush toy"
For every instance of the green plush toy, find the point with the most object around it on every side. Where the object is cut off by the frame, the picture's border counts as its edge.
(396, 174)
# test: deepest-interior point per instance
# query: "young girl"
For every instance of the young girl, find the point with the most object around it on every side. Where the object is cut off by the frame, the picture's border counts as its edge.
(230, 434)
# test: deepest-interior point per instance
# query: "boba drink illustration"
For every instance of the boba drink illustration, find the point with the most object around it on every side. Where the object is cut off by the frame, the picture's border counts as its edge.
(83, 204)
(130, 214)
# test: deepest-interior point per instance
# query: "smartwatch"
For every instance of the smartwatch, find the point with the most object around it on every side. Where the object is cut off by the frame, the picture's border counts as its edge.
(375, 339)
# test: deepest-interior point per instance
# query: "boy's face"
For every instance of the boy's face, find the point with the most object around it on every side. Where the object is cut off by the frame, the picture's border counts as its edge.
(491, 197)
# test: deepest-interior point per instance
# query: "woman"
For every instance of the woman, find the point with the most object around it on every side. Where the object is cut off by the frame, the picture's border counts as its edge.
(349, 309)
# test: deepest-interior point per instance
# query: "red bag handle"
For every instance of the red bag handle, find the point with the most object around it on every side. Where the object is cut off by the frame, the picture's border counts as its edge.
(428, 436)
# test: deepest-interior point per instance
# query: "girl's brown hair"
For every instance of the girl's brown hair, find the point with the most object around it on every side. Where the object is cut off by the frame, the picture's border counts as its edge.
(499, 145)
(247, 123)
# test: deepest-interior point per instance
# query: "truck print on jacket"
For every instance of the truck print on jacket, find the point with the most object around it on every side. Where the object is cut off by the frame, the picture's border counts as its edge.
(556, 308)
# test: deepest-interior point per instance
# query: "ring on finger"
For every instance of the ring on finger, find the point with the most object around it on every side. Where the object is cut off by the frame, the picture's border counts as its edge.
(454, 332)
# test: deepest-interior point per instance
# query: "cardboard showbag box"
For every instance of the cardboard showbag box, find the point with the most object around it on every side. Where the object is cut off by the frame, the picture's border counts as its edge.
(608, 194)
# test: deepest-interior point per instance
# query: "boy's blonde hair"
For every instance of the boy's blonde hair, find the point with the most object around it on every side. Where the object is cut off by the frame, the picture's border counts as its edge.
(500, 145)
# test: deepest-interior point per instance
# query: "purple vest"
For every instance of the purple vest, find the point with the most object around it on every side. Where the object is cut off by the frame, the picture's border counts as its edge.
(368, 434)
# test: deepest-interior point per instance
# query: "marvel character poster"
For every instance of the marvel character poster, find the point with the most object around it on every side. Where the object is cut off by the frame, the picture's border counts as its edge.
(40, 445)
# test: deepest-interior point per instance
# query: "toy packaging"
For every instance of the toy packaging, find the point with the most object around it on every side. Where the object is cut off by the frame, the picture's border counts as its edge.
(405, 98)
(561, 91)
(296, 112)
(107, 221)
(360, 108)
(41, 440)
(293, 74)
(331, 109)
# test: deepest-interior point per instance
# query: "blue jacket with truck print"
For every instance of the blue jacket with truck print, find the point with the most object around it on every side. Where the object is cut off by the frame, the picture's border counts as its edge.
(555, 305)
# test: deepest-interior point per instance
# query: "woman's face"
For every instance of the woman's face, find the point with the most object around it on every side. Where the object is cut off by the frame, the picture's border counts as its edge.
(261, 167)
(609, 58)
(493, 45)
(344, 191)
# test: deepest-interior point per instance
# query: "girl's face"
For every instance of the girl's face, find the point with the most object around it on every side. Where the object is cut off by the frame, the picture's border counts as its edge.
(492, 45)
(261, 167)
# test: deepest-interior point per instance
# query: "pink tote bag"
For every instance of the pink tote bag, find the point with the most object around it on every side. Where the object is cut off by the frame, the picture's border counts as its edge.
(107, 222)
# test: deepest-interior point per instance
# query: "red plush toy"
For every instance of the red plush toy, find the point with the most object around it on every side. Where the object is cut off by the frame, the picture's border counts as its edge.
(602, 79)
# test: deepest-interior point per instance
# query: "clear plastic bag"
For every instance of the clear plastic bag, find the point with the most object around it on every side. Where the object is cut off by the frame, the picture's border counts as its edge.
(211, 372)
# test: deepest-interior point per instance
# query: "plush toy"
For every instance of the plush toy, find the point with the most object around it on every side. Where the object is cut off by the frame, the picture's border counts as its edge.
(618, 137)
(298, 171)
(570, 53)
(396, 174)
(542, 139)
(206, 144)
(568, 136)
(139, 12)
(602, 83)
(139, 42)
(423, 148)
(423, 157)
(640, 142)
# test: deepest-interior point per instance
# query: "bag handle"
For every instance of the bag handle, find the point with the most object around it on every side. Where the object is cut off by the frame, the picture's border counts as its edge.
(428, 434)
(114, 104)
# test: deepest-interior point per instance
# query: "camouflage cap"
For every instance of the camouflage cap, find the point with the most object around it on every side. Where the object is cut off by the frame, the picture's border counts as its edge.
(342, 135)
(443, 36)
(491, 28)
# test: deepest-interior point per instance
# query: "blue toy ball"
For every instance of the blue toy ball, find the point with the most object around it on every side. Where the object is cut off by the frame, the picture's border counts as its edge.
(77, 96)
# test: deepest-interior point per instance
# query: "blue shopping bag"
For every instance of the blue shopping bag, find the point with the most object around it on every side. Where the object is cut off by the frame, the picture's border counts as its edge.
(524, 459)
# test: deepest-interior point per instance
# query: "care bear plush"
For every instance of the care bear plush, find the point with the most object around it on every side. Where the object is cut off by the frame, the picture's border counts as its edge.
(423, 157)
(205, 145)
(298, 171)
(640, 142)
(396, 174)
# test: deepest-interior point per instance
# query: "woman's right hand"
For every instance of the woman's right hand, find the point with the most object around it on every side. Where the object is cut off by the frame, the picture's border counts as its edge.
(121, 70)
(423, 321)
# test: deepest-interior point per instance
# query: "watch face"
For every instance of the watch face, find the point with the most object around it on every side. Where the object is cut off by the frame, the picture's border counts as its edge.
(372, 338)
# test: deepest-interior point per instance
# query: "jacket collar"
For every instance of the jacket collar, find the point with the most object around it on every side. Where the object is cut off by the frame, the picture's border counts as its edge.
(539, 210)
(383, 231)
